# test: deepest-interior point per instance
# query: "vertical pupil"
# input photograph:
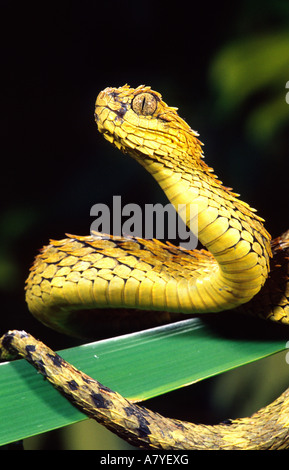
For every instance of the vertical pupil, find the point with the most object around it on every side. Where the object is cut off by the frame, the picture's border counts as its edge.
(143, 103)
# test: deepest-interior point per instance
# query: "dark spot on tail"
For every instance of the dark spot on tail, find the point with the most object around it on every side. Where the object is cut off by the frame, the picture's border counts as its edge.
(99, 401)
(139, 413)
(72, 385)
(57, 360)
(7, 342)
(30, 348)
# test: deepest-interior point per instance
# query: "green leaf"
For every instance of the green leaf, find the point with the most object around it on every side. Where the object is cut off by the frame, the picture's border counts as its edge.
(139, 366)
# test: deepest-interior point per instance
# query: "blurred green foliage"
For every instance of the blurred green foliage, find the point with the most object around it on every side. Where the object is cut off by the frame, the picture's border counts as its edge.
(246, 68)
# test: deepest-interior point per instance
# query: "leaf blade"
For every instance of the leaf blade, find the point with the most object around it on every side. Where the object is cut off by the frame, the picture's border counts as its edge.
(139, 366)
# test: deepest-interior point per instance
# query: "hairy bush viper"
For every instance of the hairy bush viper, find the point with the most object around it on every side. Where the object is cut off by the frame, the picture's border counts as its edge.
(76, 281)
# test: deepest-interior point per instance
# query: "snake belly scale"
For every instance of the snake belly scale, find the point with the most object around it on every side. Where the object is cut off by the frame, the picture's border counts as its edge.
(73, 278)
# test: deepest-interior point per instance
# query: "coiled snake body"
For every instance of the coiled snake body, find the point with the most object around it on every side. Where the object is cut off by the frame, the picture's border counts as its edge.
(74, 279)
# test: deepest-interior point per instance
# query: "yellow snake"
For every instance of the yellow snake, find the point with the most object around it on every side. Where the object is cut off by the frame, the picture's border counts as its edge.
(78, 281)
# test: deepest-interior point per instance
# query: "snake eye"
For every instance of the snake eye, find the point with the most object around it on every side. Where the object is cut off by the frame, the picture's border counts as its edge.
(144, 103)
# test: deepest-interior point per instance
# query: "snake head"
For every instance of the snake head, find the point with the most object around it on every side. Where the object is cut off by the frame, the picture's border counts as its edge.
(137, 121)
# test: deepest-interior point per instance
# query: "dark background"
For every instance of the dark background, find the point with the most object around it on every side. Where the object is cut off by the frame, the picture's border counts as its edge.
(224, 65)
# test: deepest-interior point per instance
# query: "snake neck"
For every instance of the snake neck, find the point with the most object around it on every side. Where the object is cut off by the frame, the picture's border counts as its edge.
(228, 227)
